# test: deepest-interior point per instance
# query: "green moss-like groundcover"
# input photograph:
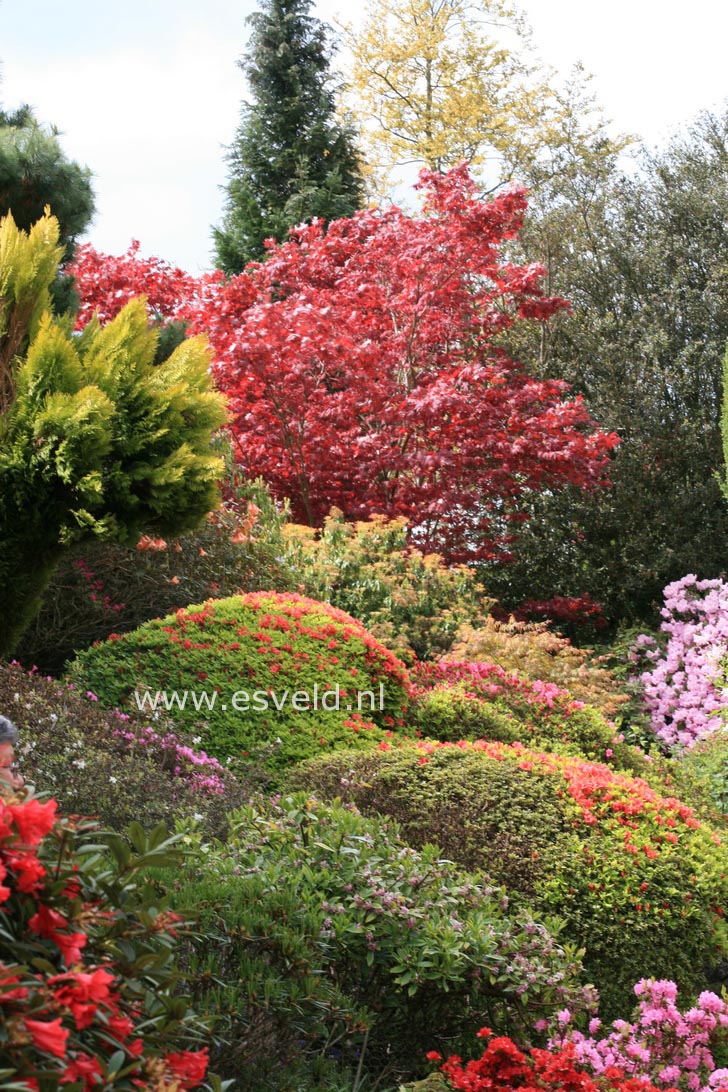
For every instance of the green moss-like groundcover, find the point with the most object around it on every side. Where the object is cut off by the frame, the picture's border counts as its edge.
(270, 647)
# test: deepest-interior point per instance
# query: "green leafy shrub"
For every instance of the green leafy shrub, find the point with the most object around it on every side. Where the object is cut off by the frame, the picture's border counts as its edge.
(88, 978)
(412, 602)
(105, 764)
(706, 764)
(454, 700)
(103, 588)
(325, 937)
(268, 647)
(534, 650)
(637, 879)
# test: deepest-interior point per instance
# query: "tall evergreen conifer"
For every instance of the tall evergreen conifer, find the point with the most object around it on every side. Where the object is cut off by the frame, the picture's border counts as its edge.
(292, 159)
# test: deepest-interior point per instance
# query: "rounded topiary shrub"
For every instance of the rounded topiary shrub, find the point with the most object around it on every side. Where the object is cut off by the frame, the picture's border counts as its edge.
(638, 880)
(264, 672)
(480, 700)
(101, 763)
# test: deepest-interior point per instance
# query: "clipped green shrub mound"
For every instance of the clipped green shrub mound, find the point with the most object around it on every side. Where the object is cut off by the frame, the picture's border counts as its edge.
(327, 943)
(262, 672)
(637, 879)
(457, 700)
(111, 766)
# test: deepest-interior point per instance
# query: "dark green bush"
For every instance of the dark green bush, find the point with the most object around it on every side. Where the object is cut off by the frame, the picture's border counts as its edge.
(104, 588)
(637, 879)
(100, 763)
(325, 939)
(705, 768)
(269, 647)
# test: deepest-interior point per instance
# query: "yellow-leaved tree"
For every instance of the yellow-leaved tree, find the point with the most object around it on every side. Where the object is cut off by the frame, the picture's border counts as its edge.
(433, 82)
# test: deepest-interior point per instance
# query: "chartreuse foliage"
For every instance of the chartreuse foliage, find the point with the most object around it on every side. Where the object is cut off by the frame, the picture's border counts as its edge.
(637, 879)
(88, 977)
(411, 601)
(326, 939)
(95, 442)
(285, 653)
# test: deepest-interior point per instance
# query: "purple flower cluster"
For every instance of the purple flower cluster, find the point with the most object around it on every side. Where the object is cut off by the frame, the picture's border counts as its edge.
(682, 686)
(670, 1048)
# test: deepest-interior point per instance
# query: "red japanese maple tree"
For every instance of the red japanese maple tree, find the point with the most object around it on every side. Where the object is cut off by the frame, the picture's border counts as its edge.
(362, 372)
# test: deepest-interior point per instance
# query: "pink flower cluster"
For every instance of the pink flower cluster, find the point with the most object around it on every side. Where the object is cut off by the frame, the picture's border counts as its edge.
(683, 688)
(489, 678)
(202, 770)
(670, 1048)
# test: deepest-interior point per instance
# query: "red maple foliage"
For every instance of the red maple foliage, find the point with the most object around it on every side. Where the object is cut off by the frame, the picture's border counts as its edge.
(362, 369)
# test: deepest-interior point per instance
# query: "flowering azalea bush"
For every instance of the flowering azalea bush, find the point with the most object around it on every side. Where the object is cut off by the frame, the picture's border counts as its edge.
(682, 676)
(271, 647)
(533, 649)
(322, 927)
(87, 976)
(636, 877)
(503, 1067)
(111, 765)
(662, 1044)
(460, 699)
(105, 588)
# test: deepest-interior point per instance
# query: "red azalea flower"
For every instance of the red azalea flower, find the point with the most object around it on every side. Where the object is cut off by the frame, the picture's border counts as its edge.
(49, 1036)
(33, 820)
(189, 1066)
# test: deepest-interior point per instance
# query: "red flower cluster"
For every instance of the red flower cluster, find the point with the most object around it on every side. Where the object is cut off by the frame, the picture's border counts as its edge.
(73, 1026)
(505, 1068)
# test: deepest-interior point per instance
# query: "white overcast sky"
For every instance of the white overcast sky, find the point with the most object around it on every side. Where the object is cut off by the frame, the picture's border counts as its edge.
(147, 92)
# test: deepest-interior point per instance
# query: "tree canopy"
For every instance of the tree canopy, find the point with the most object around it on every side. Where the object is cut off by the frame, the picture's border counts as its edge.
(292, 158)
(362, 371)
(642, 259)
(35, 172)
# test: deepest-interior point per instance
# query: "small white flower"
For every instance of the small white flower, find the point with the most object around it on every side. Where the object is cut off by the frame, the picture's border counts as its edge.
(79, 762)
(112, 780)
